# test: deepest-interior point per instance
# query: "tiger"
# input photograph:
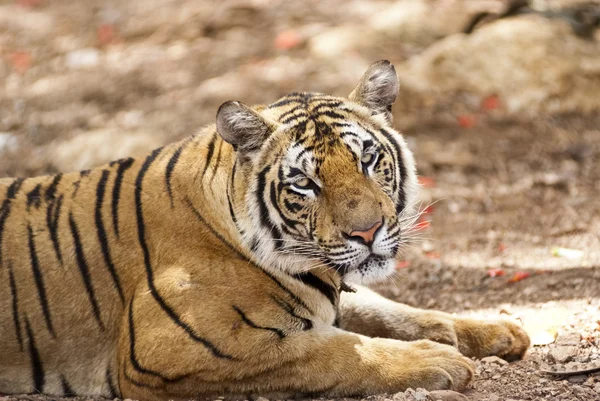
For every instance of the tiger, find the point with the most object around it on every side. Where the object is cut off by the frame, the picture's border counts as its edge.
(233, 263)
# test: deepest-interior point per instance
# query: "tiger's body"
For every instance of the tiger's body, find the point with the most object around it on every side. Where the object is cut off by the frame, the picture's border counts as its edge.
(213, 266)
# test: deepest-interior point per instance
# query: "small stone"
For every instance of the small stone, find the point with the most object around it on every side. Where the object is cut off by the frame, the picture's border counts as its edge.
(82, 58)
(421, 394)
(496, 377)
(572, 339)
(7, 141)
(597, 388)
(262, 399)
(542, 381)
(589, 382)
(494, 359)
(446, 395)
(562, 354)
(577, 379)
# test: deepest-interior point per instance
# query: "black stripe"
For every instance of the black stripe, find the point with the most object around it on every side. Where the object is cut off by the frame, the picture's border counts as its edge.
(291, 111)
(15, 305)
(315, 282)
(37, 370)
(51, 191)
(85, 271)
(34, 197)
(217, 162)
(11, 192)
(264, 211)
(209, 153)
(112, 390)
(148, 263)
(250, 323)
(14, 188)
(397, 154)
(39, 281)
(101, 231)
(52, 219)
(133, 358)
(170, 167)
(307, 324)
(66, 387)
(283, 102)
(76, 185)
(294, 117)
(332, 114)
(124, 164)
(274, 201)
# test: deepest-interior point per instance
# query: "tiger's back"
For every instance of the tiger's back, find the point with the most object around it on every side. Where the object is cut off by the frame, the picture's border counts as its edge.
(65, 294)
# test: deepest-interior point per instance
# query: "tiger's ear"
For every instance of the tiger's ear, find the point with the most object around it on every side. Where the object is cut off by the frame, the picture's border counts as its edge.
(378, 88)
(242, 127)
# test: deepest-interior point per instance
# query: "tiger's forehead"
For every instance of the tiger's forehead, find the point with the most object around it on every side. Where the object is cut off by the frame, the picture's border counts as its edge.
(299, 107)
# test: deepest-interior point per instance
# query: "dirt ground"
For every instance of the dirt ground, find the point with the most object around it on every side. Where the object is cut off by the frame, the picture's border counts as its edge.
(84, 83)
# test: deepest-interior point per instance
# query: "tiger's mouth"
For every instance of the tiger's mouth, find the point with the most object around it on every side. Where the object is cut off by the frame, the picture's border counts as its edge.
(370, 262)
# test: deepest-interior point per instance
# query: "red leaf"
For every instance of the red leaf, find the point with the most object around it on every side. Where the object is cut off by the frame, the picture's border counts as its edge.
(106, 34)
(427, 182)
(518, 276)
(501, 247)
(432, 255)
(422, 225)
(428, 210)
(402, 264)
(491, 102)
(287, 40)
(466, 121)
(496, 272)
(21, 61)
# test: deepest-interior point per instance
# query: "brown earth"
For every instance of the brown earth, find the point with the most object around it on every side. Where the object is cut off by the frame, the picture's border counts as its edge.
(84, 83)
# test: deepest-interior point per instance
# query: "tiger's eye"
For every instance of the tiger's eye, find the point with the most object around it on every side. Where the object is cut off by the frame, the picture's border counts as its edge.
(367, 158)
(303, 183)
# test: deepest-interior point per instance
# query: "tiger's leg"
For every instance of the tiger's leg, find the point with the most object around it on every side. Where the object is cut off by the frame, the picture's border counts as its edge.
(368, 313)
(175, 345)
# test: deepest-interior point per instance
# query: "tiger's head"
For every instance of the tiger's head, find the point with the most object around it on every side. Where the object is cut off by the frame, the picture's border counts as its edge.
(321, 180)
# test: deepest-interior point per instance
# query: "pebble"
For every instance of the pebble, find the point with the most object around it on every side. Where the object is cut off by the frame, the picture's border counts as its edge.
(577, 379)
(446, 395)
(82, 58)
(572, 339)
(494, 359)
(7, 140)
(597, 388)
(421, 394)
(562, 354)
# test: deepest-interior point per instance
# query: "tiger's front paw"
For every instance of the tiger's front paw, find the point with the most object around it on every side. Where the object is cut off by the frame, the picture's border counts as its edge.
(435, 366)
(481, 338)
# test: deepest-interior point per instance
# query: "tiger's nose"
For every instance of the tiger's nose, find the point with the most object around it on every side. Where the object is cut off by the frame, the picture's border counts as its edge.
(367, 236)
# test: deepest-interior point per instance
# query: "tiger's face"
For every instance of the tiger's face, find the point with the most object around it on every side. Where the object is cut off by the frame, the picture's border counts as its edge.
(324, 181)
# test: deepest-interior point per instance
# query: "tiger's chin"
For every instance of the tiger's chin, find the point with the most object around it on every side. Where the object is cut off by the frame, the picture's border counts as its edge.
(374, 269)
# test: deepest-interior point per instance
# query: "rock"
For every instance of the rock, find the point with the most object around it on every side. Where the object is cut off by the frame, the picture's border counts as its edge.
(562, 354)
(421, 394)
(505, 58)
(82, 58)
(568, 339)
(577, 379)
(597, 388)
(494, 359)
(446, 395)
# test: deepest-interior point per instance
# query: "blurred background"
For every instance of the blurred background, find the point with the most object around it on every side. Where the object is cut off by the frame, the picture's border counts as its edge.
(500, 101)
